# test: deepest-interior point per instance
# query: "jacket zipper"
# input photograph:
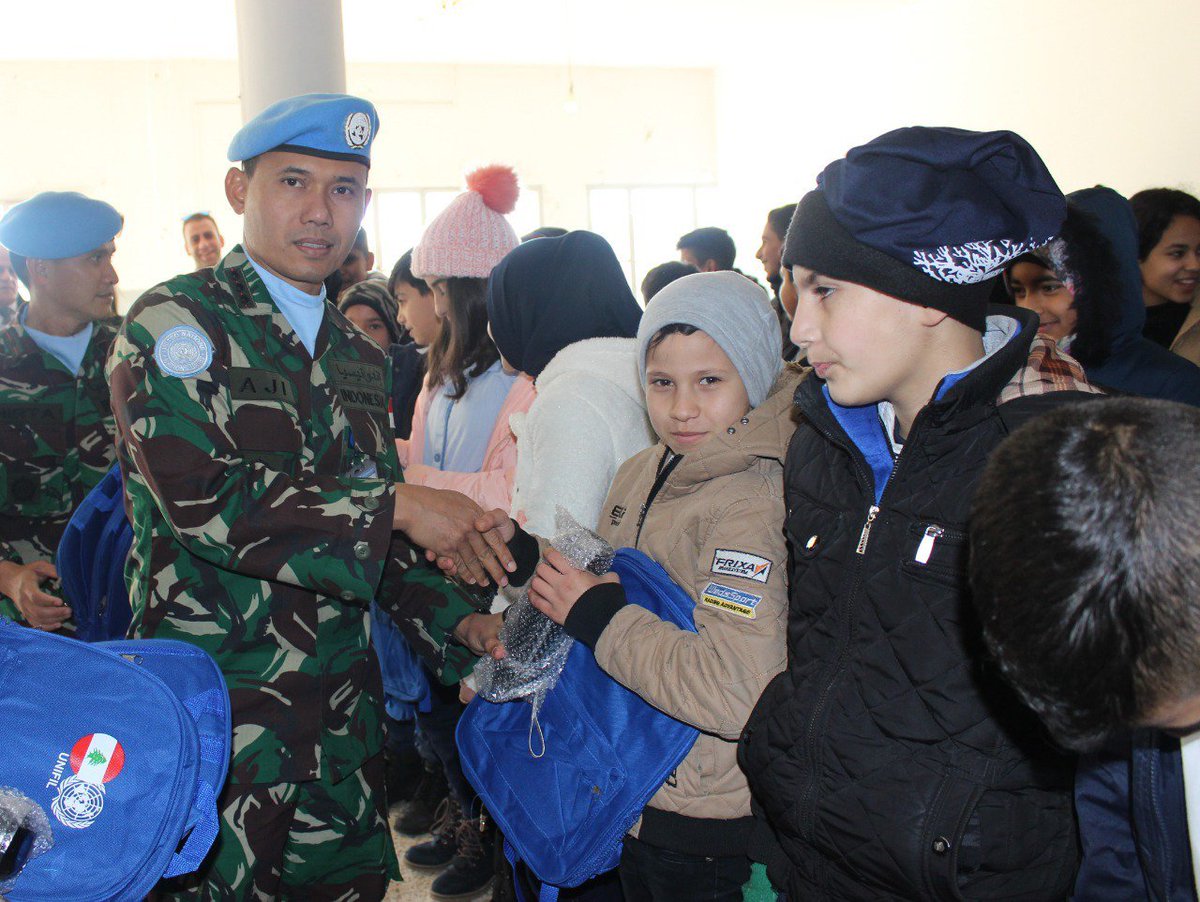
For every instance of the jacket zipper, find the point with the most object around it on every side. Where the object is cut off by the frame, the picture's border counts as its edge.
(809, 797)
(925, 549)
(666, 466)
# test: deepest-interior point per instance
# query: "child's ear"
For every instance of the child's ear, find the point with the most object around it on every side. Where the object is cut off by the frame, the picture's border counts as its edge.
(930, 316)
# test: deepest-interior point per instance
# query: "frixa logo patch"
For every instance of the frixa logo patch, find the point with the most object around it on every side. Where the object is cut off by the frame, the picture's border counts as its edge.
(94, 760)
(727, 562)
(735, 601)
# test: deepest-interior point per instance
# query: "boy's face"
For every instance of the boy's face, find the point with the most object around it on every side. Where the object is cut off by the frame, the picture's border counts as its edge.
(865, 345)
(1040, 290)
(693, 391)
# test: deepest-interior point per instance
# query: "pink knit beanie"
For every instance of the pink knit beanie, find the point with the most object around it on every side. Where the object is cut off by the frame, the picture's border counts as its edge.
(471, 236)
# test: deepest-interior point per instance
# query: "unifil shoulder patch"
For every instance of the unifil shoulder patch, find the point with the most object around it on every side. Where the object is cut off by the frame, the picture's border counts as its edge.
(727, 562)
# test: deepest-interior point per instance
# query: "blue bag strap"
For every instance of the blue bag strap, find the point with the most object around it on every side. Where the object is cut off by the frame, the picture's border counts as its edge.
(548, 893)
(203, 835)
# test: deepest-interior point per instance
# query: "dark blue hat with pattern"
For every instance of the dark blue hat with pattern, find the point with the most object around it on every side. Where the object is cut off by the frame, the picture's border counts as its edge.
(928, 215)
(334, 126)
(55, 225)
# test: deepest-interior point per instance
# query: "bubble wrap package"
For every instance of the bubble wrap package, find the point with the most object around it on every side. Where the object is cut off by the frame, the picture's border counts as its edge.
(24, 834)
(536, 646)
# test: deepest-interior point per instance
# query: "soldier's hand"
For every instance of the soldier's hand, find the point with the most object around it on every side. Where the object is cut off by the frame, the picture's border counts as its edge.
(22, 583)
(495, 519)
(443, 522)
(481, 634)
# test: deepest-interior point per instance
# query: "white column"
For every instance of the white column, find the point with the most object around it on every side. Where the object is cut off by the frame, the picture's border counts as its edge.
(288, 47)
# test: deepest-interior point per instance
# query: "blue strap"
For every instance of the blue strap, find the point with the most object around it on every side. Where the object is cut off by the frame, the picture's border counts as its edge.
(548, 894)
(203, 835)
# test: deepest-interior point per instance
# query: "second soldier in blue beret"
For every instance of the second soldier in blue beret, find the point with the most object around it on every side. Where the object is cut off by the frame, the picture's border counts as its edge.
(269, 510)
(56, 426)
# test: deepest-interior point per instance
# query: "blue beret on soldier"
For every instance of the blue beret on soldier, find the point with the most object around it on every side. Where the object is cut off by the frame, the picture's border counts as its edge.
(334, 126)
(55, 225)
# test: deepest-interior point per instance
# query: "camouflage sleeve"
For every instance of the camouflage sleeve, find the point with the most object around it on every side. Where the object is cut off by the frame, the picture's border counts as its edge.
(327, 534)
(427, 607)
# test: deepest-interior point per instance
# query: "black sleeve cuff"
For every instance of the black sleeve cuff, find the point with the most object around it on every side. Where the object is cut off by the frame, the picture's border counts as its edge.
(592, 613)
(524, 549)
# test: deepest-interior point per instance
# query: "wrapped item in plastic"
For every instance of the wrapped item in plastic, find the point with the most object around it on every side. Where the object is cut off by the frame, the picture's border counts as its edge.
(537, 647)
(24, 834)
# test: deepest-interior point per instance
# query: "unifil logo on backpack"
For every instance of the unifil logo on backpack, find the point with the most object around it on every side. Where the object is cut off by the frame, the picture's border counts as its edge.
(727, 562)
(95, 759)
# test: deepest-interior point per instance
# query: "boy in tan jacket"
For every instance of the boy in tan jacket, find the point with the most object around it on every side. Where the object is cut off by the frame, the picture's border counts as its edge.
(706, 503)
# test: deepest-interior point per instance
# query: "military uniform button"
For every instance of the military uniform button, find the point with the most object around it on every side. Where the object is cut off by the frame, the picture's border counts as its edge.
(347, 595)
(362, 550)
(370, 502)
(941, 845)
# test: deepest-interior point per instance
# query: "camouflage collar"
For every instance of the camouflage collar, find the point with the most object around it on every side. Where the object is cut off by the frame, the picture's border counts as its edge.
(236, 275)
(16, 343)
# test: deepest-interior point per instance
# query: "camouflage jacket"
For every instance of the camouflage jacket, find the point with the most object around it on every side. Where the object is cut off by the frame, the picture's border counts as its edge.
(252, 537)
(56, 441)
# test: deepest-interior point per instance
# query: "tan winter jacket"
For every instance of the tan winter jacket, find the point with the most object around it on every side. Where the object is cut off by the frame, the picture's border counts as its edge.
(716, 526)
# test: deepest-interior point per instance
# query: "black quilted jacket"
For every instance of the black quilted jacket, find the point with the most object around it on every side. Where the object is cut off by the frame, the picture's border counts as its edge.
(889, 760)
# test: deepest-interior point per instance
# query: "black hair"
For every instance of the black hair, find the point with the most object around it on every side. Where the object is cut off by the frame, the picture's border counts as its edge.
(1085, 564)
(1093, 265)
(463, 349)
(669, 329)
(663, 275)
(544, 232)
(360, 242)
(20, 267)
(248, 166)
(1154, 209)
(780, 218)
(710, 243)
(402, 272)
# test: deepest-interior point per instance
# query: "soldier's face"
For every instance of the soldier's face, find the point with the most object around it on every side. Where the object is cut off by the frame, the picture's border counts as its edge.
(83, 286)
(301, 212)
(8, 280)
(203, 242)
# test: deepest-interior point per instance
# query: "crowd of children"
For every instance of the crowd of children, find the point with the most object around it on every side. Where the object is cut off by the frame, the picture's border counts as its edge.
(946, 613)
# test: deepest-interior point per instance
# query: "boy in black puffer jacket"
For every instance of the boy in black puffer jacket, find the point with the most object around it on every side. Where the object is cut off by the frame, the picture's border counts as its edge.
(888, 761)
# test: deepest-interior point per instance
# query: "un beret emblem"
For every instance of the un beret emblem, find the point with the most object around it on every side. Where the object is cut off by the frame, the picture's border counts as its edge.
(183, 351)
(358, 129)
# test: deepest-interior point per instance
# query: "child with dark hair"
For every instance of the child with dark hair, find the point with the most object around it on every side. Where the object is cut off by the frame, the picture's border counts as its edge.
(1169, 252)
(663, 275)
(421, 325)
(1085, 565)
(1086, 288)
(886, 762)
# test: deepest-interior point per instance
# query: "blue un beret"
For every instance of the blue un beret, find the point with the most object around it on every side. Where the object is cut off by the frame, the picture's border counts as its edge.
(334, 126)
(55, 225)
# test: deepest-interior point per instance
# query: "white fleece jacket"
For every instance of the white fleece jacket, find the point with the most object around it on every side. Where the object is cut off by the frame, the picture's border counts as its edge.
(589, 417)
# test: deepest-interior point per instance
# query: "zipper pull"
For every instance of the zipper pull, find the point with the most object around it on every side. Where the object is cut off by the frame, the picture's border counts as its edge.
(925, 549)
(866, 530)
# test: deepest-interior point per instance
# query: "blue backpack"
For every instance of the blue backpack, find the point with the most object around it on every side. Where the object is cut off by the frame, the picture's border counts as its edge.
(91, 562)
(606, 752)
(122, 748)
(405, 685)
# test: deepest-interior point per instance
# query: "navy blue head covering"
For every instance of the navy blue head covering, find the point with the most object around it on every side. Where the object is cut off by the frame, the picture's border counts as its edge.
(552, 292)
(928, 215)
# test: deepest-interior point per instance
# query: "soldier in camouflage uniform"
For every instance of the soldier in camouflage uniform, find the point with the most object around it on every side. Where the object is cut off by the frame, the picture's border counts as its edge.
(262, 481)
(56, 428)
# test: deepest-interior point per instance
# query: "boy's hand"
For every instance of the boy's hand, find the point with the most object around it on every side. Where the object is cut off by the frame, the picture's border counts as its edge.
(557, 585)
(481, 634)
(23, 584)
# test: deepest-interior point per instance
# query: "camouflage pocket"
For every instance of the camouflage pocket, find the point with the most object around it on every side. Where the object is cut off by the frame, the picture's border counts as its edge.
(33, 440)
(265, 424)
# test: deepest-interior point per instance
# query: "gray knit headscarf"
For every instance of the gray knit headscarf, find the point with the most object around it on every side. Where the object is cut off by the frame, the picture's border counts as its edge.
(731, 310)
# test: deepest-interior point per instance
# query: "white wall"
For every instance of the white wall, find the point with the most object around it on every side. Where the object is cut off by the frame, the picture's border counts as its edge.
(150, 137)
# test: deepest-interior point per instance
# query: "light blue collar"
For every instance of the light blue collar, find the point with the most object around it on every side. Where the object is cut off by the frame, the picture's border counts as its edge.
(302, 310)
(285, 291)
(69, 350)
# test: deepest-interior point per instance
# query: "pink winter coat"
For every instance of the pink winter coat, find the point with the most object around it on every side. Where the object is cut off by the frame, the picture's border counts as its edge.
(492, 486)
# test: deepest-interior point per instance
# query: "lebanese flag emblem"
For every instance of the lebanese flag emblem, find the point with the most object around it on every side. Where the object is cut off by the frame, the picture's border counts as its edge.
(97, 758)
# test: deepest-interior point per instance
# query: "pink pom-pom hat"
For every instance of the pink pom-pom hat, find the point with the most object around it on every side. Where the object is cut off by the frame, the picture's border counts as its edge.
(471, 235)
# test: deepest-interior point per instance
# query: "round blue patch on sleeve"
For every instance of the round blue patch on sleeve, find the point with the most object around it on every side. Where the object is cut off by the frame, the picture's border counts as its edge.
(183, 351)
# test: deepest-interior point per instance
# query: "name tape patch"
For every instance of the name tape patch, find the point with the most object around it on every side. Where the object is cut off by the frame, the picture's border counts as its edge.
(735, 601)
(727, 562)
(183, 352)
